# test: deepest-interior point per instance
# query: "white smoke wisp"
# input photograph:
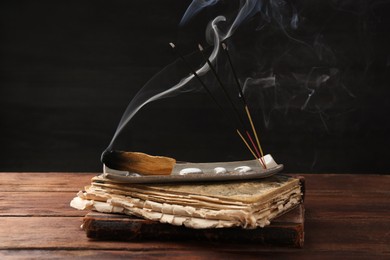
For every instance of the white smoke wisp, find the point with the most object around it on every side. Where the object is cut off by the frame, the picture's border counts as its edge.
(135, 105)
(256, 90)
(247, 10)
(195, 7)
(269, 9)
(215, 36)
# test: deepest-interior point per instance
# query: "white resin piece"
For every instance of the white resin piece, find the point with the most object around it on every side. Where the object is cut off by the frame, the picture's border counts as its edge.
(125, 173)
(243, 169)
(190, 171)
(220, 170)
(269, 161)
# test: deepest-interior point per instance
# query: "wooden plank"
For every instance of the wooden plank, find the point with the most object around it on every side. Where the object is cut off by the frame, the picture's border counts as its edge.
(200, 253)
(120, 254)
(347, 235)
(354, 183)
(368, 238)
(58, 233)
(38, 204)
(373, 206)
(346, 216)
(38, 182)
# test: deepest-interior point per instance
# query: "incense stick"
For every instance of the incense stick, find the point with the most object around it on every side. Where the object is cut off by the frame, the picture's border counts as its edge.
(253, 143)
(221, 85)
(259, 155)
(196, 75)
(246, 143)
(210, 94)
(244, 101)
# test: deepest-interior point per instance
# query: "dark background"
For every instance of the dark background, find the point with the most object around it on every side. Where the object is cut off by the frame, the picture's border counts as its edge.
(69, 69)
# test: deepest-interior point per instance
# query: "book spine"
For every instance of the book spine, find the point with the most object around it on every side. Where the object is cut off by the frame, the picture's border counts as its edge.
(132, 229)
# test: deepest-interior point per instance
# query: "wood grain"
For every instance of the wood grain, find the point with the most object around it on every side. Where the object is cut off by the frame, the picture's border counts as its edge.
(38, 204)
(346, 217)
(64, 233)
(47, 181)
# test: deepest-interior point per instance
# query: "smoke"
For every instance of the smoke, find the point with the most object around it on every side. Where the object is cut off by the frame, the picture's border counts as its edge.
(158, 87)
(152, 91)
(284, 58)
(195, 7)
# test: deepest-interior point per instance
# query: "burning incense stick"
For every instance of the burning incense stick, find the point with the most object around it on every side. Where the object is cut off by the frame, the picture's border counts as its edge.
(244, 100)
(221, 85)
(253, 144)
(211, 95)
(259, 155)
(246, 143)
(195, 75)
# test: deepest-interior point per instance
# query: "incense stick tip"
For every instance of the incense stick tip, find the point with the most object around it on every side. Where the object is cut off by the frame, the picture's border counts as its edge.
(224, 46)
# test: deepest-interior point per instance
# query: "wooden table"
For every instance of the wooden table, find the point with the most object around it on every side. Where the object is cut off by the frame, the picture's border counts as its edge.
(347, 216)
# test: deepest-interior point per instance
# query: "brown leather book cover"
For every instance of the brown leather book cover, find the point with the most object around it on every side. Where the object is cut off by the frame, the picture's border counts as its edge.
(286, 230)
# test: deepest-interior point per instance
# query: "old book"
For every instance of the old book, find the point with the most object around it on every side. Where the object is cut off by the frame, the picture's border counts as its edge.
(244, 204)
(285, 230)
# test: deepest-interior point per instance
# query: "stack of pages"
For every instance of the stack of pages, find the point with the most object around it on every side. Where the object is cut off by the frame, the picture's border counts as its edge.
(247, 204)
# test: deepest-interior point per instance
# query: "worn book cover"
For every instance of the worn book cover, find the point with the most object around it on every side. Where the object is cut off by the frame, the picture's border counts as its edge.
(286, 230)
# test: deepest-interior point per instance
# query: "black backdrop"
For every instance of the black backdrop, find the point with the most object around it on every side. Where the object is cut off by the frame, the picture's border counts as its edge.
(69, 69)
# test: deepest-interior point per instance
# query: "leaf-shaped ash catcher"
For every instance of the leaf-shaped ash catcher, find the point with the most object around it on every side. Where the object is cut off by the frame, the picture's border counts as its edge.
(136, 167)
